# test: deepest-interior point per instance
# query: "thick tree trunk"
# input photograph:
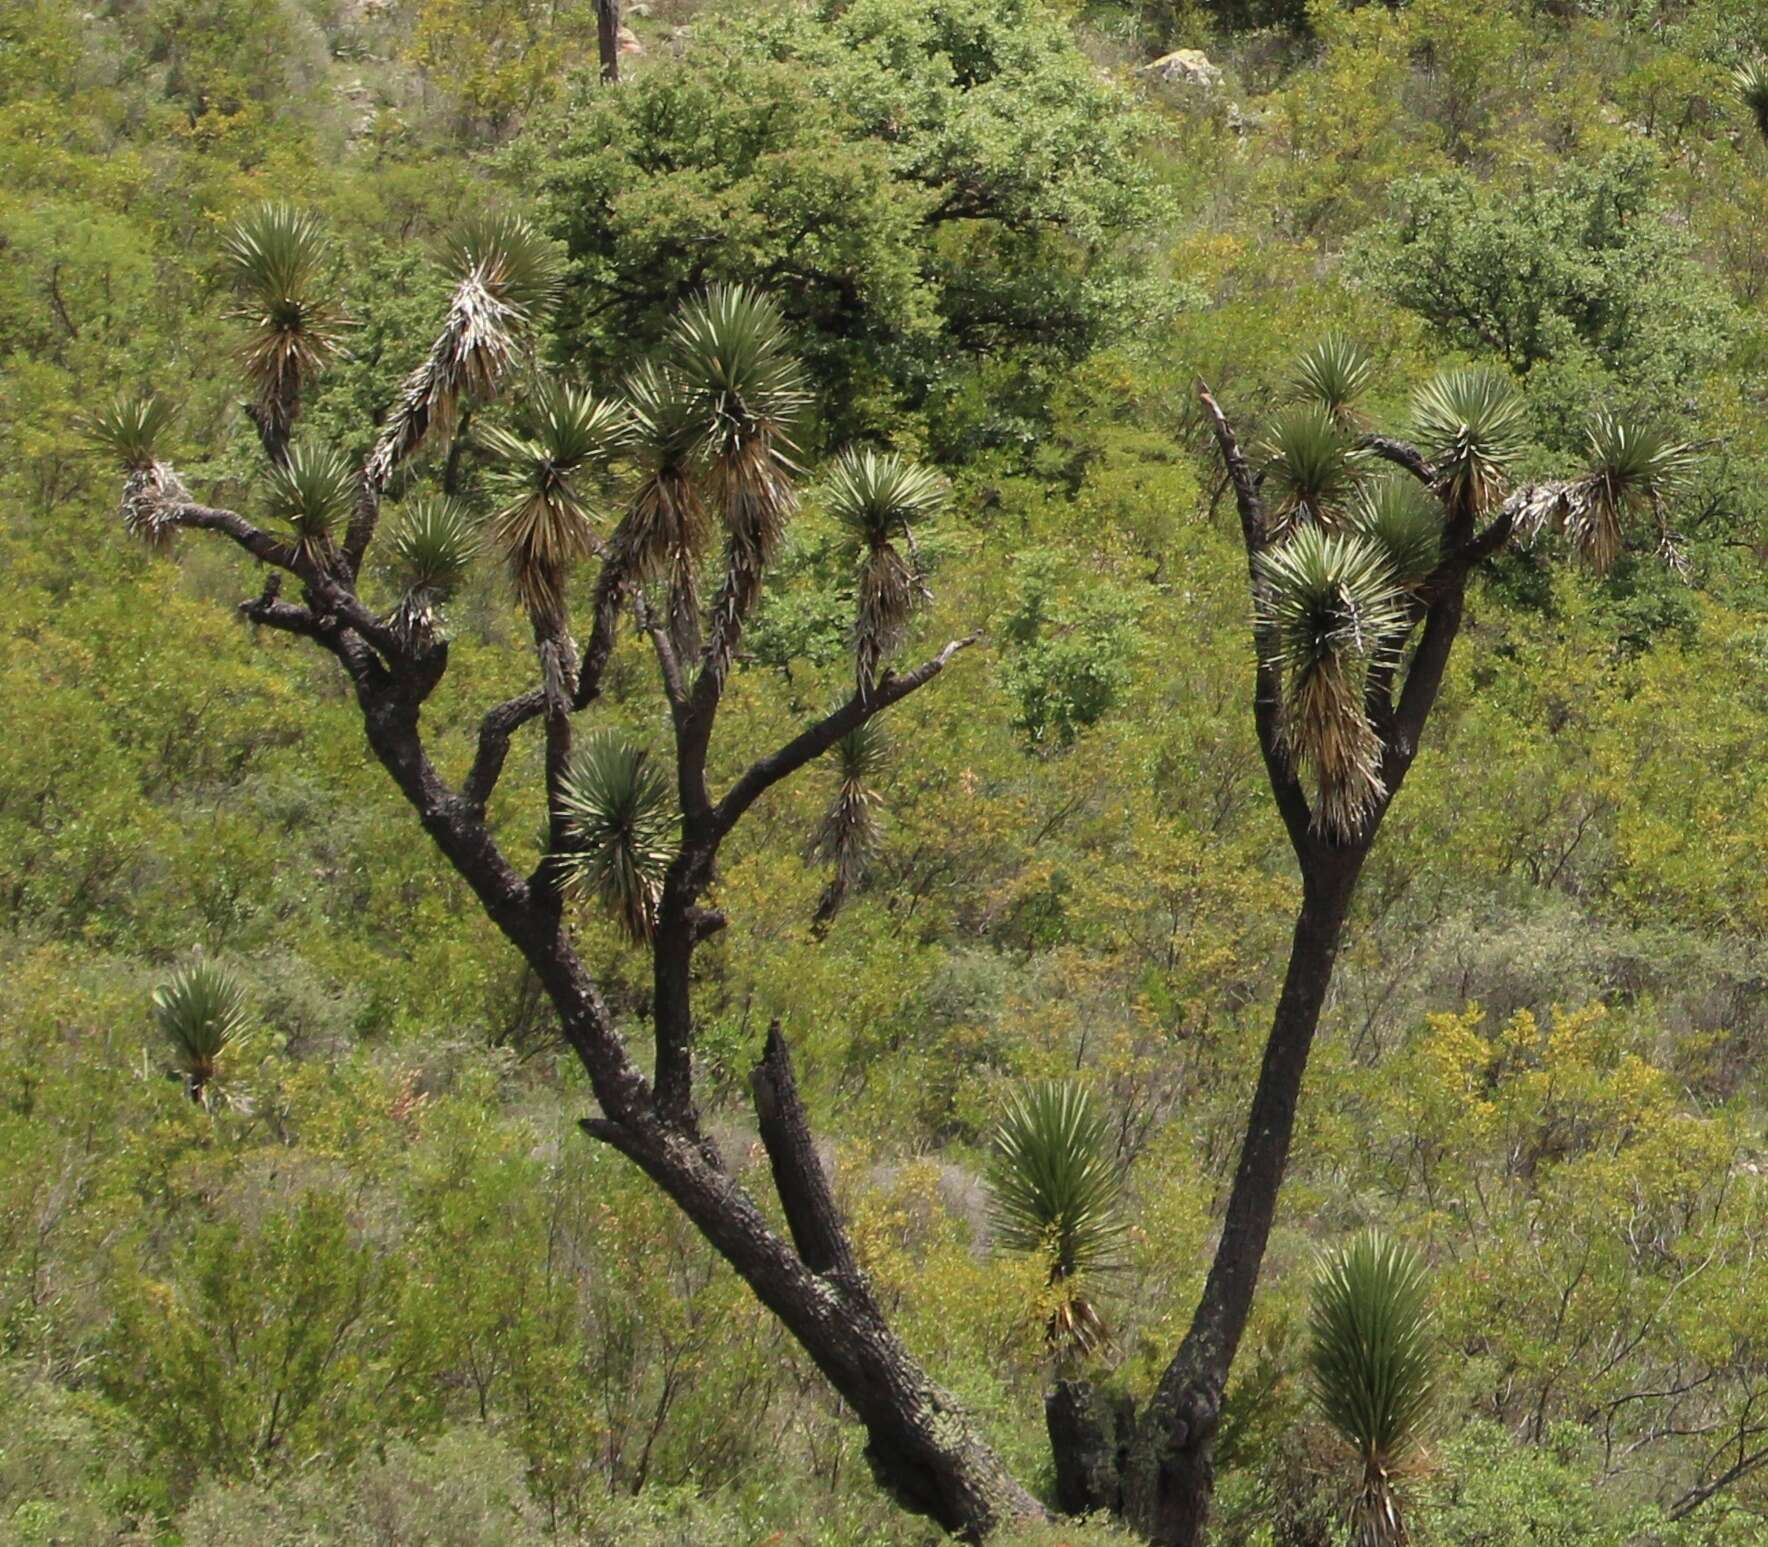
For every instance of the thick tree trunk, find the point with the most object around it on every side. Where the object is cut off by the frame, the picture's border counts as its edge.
(607, 37)
(1171, 1466)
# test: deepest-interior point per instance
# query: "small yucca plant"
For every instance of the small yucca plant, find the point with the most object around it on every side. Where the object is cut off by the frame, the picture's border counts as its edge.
(1054, 1189)
(314, 491)
(545, 524)
(1330, 606)
(621, 821)
(877, 497)
(1470, 426)
(850, 830)
(731, 350)
(1373, 1370)
(1630, 464)
(1311, 464)
(1752, 90)
(430, 549)
(277, 259)
(201, 1010)
(1332, 376)
(507, 277)
(1405, 521)
(130, 430)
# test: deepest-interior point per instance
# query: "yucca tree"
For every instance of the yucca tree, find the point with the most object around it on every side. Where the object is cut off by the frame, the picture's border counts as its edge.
(1404, 521)
(1330, 608)
(1054, 1189)
(877, 497)
(731, 350)
(1312, 464)
(545, 523)
(507, 277)
(201, 1010)
(1631, 465)
(1470, 426)
(1372, 1363)
(847, 836)
(1332, 376)
(620, 817)
(278, 260)
(430, 549)
(130, 430)
(313, 491)
(1751, 78)
(663, 533)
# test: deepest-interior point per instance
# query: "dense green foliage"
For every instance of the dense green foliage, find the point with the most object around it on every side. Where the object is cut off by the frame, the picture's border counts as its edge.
(385, 1290)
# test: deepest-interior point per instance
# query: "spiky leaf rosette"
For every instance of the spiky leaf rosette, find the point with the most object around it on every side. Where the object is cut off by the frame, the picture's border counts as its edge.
(621, 821)
(1752, 90)
(851, 828)
(663, 531)
(1053, 1188)
(314, 491)
(545, 524)
(130, 429)
(1372, 1367)
(430, 549)
(1311, 465)
(1471, 426)
(1630, 464)
(201, 1010)
(732, 350)
(276, 258)
(507, 277)
(877, 497)
(1332, 376)
(1329, 607)
(1405, 521)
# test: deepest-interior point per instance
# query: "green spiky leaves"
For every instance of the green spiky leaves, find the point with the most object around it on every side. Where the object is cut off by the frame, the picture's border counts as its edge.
(314, 492)
(430, 549)
(1372, 1366)
(1330, 606)
(130, 429)
(278, 261)
(201, 1011)
(664, 529)
(507, 277)
(1332, 376)
(1054, 1188)
(1470, 426)
(1405, 522)
(545, 523)
(852, 826)
(621, 822)
(1751, 79)
(1631, 464)
(1311, 465)
(876, 498)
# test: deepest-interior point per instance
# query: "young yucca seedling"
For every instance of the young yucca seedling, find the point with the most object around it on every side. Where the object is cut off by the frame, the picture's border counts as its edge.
(732, 351)
(314, 491)
(430, 549)
(1053, 1190)
(277, 259)
(1373, 1370)
(1311, 465)
(545, 524)
(663, 531)
(1330, 606)
(1332, 376)
(130, 430)
(1752, 89)
(1630, 464)
(621, 820)
(851, 828)
(201, 1009)
(1470, 424)
(876, 497)
(507, 278)
(1405, 522)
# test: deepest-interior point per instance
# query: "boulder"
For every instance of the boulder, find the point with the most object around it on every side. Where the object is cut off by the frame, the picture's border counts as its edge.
(1185, 67)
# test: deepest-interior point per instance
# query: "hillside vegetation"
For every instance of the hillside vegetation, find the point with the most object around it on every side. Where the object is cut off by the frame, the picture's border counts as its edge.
(375, 1285)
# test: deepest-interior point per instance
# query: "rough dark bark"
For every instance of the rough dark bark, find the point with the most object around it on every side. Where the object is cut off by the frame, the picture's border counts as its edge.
(607, 38)
(1091, 1433)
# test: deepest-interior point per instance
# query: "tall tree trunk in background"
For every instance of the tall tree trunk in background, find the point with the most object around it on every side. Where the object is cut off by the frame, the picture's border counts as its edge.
(607, 37)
